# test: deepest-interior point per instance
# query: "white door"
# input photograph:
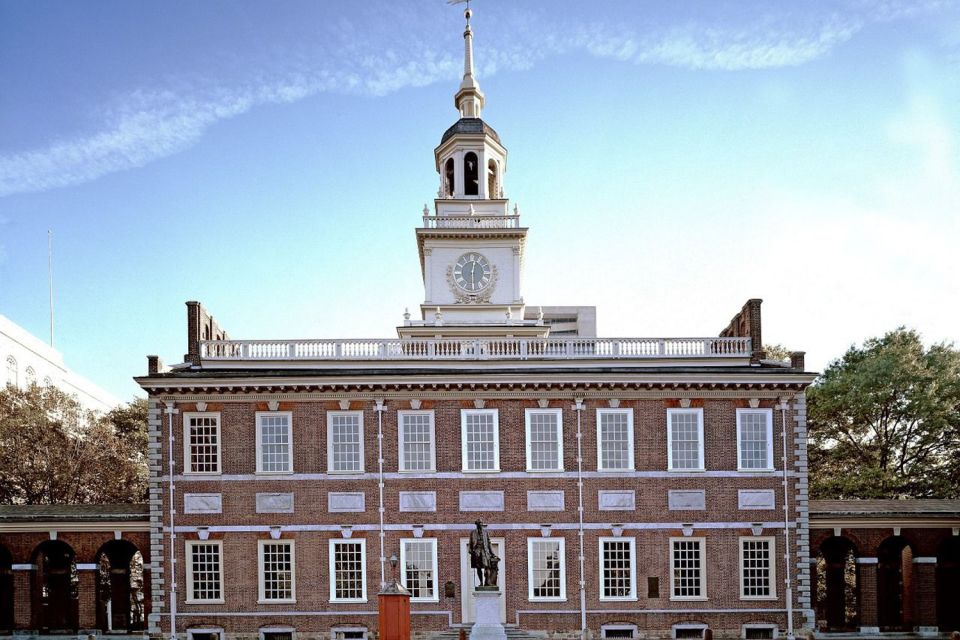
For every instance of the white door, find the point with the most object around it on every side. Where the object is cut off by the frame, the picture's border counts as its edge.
(468, 580)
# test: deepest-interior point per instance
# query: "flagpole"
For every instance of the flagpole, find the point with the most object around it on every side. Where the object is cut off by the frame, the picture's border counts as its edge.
(50, 278)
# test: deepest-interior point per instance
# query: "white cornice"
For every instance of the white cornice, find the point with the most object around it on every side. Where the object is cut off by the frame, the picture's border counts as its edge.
(860, 522)
(65, 526)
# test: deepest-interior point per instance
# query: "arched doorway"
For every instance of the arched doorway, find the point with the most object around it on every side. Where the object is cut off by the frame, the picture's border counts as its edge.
(894, 585)
(6, 590)
(56, 586)
(120, 587)
(948, 585)
(837, 586)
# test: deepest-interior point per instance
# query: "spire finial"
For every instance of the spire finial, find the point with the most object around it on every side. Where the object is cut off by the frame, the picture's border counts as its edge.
(469, 99)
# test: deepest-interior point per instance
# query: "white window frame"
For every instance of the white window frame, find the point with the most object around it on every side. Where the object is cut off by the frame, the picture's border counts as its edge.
(278, 628)
(434, 567)
(13, 372)
(193, 631)
(334, 542)
(336, 631)
(496, 439)
(526, 418)
(261, 574)
(188, 550)
(770, 465)
(772, 541)
(632, 628)
(699, 413)
(531, 543)
(433, 441)
(186, 442)
(259, 425)
(759, 625)
(330, 469)
(702, 542)
(630, 455)
(633, 568)
(700, 626)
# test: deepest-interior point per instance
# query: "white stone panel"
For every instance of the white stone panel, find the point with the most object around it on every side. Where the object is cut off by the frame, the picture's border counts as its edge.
(274, 503)
(418, 501)
(687, 499)
(544, 500)
(481, 501)
(202, 503)
(756, 498)
(620, 500)
(346, 502)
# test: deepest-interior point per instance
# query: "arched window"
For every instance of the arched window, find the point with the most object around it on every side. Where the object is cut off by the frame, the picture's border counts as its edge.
(493, 180)
(449, 177)
(47, 381)
(120, 596)
(12, 370)
(56, 588)
(31, 376)
(471, 174)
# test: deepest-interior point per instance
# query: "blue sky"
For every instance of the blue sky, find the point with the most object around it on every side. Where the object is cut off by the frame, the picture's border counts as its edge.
(671, 160)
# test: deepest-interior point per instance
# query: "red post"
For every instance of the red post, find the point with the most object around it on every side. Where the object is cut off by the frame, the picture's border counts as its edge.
(394, 613)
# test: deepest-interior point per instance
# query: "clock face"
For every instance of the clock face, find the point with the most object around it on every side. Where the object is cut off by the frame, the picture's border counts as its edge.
(472, 272)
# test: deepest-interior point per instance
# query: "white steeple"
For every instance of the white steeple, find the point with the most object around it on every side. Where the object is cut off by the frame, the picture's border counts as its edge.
(469, 99)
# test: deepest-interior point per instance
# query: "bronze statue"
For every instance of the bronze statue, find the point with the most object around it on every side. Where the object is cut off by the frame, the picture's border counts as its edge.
(482, 557)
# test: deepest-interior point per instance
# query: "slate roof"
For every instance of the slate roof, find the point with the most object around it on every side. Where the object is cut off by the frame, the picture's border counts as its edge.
(73, 512)
(469, 125)
(884, 508)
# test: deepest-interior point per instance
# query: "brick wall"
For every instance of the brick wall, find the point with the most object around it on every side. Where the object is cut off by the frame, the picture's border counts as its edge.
(311, 525)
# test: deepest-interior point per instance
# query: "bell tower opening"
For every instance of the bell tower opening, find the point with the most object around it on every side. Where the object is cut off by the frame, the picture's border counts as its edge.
(471, 174)
(493, 180)
(449, 178)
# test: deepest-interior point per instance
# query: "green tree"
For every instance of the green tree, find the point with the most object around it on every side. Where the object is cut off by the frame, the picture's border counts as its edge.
(53, 451)
(885, 421)
(776, 352)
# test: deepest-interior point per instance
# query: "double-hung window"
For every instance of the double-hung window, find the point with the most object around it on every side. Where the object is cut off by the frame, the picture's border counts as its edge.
(277, 571)
(687, 569)
(757, 568)
(546, 569)
(416, 441)
(618, 569)
(615, 439)
(204, 571)
(274, 442)
(418, 568)
(480, 439)
(544, 439)
(685, 439)
(348, 571)
(755, 439)
(345, 441)
(201, 443)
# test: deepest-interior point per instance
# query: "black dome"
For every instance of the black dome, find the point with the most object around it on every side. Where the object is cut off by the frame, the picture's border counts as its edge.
(469, 125)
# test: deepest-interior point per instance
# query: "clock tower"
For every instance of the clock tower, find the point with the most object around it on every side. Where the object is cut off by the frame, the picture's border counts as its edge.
(471, 245)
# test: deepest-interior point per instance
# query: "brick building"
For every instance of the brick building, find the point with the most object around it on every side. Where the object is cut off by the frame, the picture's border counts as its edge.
(65, 568)
(652, 486)
(885, 566)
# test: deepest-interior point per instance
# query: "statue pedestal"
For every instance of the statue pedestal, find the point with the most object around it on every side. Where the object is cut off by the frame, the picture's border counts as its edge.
(487, 625)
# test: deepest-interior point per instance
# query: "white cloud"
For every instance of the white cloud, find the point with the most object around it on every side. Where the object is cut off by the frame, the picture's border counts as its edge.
(141, 126)
(759, 46)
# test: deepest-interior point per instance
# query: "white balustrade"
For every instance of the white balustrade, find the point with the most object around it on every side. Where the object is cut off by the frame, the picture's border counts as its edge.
(568, 348)
(476, 221)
